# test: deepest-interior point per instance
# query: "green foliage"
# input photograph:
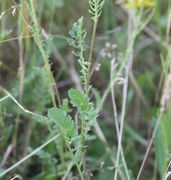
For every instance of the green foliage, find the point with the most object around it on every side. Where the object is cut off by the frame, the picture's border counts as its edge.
(42, 74)
(4, 35)
(35, 27)
(1, 118)
(37, 82)
(41, 120)
(96, 8)
(65, 106)
(63, 121)
(78, 99)
(6, 135)
(78, 35)
(58, 4)
(163, 143)
(68, 130)
(78, 111)
(97, 96)
(86, 109)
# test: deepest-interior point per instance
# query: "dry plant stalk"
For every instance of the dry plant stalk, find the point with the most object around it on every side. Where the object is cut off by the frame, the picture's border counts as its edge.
(164, 101)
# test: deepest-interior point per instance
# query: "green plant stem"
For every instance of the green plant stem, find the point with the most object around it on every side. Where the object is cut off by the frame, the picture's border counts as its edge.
(1, 118)
(150, 143)
(83, 154)
(2, 10)
(74, 159)
(83, 125)
(120, 70)
(61, 150)
(45, 57)
(91, 54)
(21, 78)
(47, 66)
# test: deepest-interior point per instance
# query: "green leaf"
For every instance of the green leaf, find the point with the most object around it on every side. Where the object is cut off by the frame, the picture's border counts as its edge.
(63, 121)
(56, 115)
(58, 44)
(6, 135)
(97, 96)
(42, 72)
(78, 99)
(42, 120)
(96, 8)
(89, 115)
(135, 135)
(65, 106)
(163, 143)
(4, 35)
(77, 40)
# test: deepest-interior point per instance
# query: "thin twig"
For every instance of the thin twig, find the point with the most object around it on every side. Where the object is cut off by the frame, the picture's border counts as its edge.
(68, 170)
(18, 104)
(125, 89)
(91, 55)
(150, 144)
(17, 177)
(117, 125)
(57, 94)
(166, 173)
(95, 64)
(6, 155)
(4, 98)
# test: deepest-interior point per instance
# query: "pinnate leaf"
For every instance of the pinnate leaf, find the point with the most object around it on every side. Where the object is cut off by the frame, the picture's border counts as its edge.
(63, 121)
(78, 99)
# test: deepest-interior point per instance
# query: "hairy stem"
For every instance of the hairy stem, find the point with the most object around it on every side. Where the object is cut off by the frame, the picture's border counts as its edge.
(117, 126)
(51, 78)
(83, 126)
(44, 55)
(91, 54)
(74, 159)
(83, 154)
(149, 145)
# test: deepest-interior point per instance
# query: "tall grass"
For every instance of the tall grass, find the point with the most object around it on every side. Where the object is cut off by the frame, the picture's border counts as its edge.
(79, 99)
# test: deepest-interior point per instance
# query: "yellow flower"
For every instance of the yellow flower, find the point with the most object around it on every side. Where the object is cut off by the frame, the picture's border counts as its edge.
(139, 3)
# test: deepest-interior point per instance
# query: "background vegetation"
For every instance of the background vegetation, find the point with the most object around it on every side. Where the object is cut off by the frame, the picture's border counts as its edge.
(129, 93)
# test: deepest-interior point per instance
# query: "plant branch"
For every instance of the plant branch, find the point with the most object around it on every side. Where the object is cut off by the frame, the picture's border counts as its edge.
(91, 54)
(74, 159)
(149, 145)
